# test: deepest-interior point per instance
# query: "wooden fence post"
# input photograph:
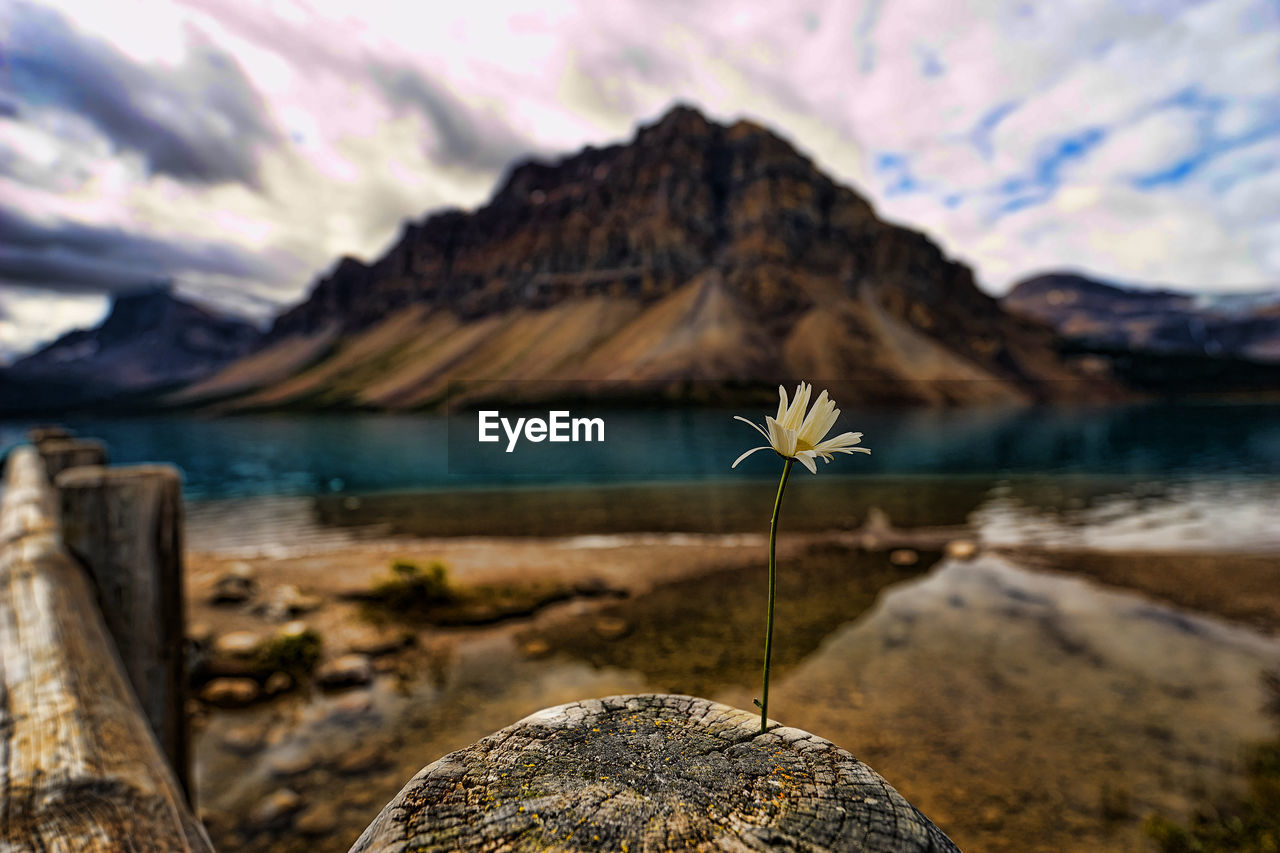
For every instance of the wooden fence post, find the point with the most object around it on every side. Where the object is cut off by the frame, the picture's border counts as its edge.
(125, 525)
(59, 454)
(51, 432)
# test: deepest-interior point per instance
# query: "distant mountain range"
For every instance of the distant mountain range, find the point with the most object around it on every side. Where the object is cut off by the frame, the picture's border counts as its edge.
(697, 261)
(150, 342)
(1160, 341)
(1083, 310)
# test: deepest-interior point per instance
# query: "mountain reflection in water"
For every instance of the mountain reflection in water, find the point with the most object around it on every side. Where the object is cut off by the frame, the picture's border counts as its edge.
(1018, 709)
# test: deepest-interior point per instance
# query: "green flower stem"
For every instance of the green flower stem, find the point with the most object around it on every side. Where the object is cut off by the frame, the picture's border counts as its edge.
(773, 582)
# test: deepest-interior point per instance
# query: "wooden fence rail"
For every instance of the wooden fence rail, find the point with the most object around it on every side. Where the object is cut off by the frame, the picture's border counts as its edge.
(80, 768)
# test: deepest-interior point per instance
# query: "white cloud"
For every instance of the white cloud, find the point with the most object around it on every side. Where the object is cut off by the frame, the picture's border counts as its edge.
(31, 317)
(462, 91)
(1101, 76)
(1155, 141)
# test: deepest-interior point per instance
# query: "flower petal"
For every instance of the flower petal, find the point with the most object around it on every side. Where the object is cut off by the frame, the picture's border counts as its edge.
(782, 440)
(754, 426)
(847, 450)
(782, 403)
(820, 420)
(748, 453)
(844, 439)
(818, 406)
(795, 412)
(806, 459)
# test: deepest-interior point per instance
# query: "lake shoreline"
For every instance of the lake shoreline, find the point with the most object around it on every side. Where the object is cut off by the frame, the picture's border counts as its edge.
(643, 591)
(1241, 587)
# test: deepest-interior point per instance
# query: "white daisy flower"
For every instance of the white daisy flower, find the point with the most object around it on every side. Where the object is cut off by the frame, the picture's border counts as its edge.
(792, 434)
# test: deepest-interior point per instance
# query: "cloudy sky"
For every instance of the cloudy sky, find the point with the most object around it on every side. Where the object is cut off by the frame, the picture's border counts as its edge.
(238, 148)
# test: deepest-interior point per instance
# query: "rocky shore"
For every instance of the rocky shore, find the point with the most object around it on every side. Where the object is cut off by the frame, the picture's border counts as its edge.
(324, 680)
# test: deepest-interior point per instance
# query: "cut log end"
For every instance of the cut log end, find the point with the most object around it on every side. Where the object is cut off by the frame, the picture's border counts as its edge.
(62, 454)
(650, 772)
(50, 432)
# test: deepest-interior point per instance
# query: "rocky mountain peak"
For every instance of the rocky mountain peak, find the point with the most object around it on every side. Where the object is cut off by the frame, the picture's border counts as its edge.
(639, 219)
(150, 339)
(137, 312)
(698, 249)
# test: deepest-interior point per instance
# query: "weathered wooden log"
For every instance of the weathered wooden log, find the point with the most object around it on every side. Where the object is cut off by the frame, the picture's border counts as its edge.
(651, 772)
(125, 525)
(82, 770)
(62, 453)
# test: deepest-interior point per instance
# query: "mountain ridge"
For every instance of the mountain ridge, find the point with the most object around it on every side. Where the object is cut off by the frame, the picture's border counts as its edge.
(695, 252)
(1093, 312)
(150, 341)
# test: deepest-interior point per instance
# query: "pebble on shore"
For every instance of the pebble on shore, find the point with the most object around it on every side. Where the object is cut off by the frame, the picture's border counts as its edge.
(230, 692)
(352, 670)
(277, 808)
(238, 644)
(904, 557)
(234, 586)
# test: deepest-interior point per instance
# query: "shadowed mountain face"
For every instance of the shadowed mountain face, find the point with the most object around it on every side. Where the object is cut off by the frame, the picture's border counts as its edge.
(695, 252)
(150, 341)
(1245, 326)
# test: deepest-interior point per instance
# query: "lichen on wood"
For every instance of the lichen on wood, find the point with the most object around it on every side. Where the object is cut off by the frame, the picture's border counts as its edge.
(649, 772)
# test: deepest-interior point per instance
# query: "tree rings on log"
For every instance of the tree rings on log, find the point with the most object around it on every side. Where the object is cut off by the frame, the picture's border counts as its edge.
(645, 773)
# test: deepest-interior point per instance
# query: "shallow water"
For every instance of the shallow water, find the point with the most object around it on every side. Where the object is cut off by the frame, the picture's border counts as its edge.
(1020, 710)
(1078, 511)
(1015, 708)
(1150, 514)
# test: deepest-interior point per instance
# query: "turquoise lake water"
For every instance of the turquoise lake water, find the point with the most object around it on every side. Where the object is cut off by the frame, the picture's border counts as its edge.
(319, 454)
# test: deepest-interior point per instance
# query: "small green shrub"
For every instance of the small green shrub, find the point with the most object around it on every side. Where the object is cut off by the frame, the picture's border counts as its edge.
(1250, 824)
(412, 588)
(294, 653)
